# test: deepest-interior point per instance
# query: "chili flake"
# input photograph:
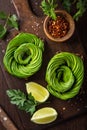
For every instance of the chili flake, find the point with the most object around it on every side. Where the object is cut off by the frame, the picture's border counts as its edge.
(58, 28)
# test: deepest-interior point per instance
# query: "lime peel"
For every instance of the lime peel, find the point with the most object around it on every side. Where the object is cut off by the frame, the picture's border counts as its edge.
(44, 115)
(39, 92)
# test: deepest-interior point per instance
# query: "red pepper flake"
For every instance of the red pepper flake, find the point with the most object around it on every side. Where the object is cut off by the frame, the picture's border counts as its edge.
(58, 28)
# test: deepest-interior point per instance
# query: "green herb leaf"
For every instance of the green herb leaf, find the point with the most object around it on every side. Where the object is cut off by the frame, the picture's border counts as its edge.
(3, 15)
(81, 6)
(12, 21)
(8, 21)
(17, 97)
(29, 107)
(26, 103)
(67, 5)
(48, 8)
(3, 31)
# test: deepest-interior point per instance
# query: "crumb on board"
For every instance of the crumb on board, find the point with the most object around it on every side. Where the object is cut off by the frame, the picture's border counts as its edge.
(64, 108)
(5, 118)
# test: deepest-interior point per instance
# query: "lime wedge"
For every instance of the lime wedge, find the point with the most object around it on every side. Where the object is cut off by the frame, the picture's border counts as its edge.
(40, 93)
(44, 115)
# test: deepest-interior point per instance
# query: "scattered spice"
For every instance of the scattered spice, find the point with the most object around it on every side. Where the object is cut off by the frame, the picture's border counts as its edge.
(3, 51)
(85, 106)
(0, 110)
(5, 118)
(71, 104)
(58, 28)
(78, 109)
(64, 108)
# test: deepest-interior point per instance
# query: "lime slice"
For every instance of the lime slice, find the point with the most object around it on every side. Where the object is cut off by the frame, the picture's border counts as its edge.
(44, 115)
(40, 93)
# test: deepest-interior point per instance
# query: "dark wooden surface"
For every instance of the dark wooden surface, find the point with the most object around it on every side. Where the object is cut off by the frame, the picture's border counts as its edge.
(71, 115)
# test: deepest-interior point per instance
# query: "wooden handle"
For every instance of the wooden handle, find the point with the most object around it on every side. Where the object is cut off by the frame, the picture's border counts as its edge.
(6, 121)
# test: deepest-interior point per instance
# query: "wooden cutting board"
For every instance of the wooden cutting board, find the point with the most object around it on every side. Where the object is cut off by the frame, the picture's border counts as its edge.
(31, 20)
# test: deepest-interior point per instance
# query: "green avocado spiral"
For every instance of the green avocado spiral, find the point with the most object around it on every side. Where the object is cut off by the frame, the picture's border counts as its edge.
(23, 56)
(64, 75)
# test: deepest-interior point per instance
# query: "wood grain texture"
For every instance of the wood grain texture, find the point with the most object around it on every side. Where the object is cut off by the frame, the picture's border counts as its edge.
(31, 20)
(6, 121)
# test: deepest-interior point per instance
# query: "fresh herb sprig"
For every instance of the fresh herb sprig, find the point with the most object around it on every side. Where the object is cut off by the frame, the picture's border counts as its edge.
(23, 101)
(80, 5)
(9, 21)
(48, 7)
(66, 4)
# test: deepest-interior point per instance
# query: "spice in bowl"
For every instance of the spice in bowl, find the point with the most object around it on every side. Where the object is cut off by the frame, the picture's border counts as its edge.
(58, 28)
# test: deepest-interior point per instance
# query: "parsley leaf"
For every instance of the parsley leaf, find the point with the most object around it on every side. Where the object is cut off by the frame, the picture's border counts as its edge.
(12, 21)
(26, 103)
(3, 31)
(48, 8)
(17, 97)
(66, 4)
(3, 15)
(9, 21)
(79, 5)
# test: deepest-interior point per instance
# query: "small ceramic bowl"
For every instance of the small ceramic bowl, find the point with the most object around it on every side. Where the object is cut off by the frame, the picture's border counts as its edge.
(70, 32)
